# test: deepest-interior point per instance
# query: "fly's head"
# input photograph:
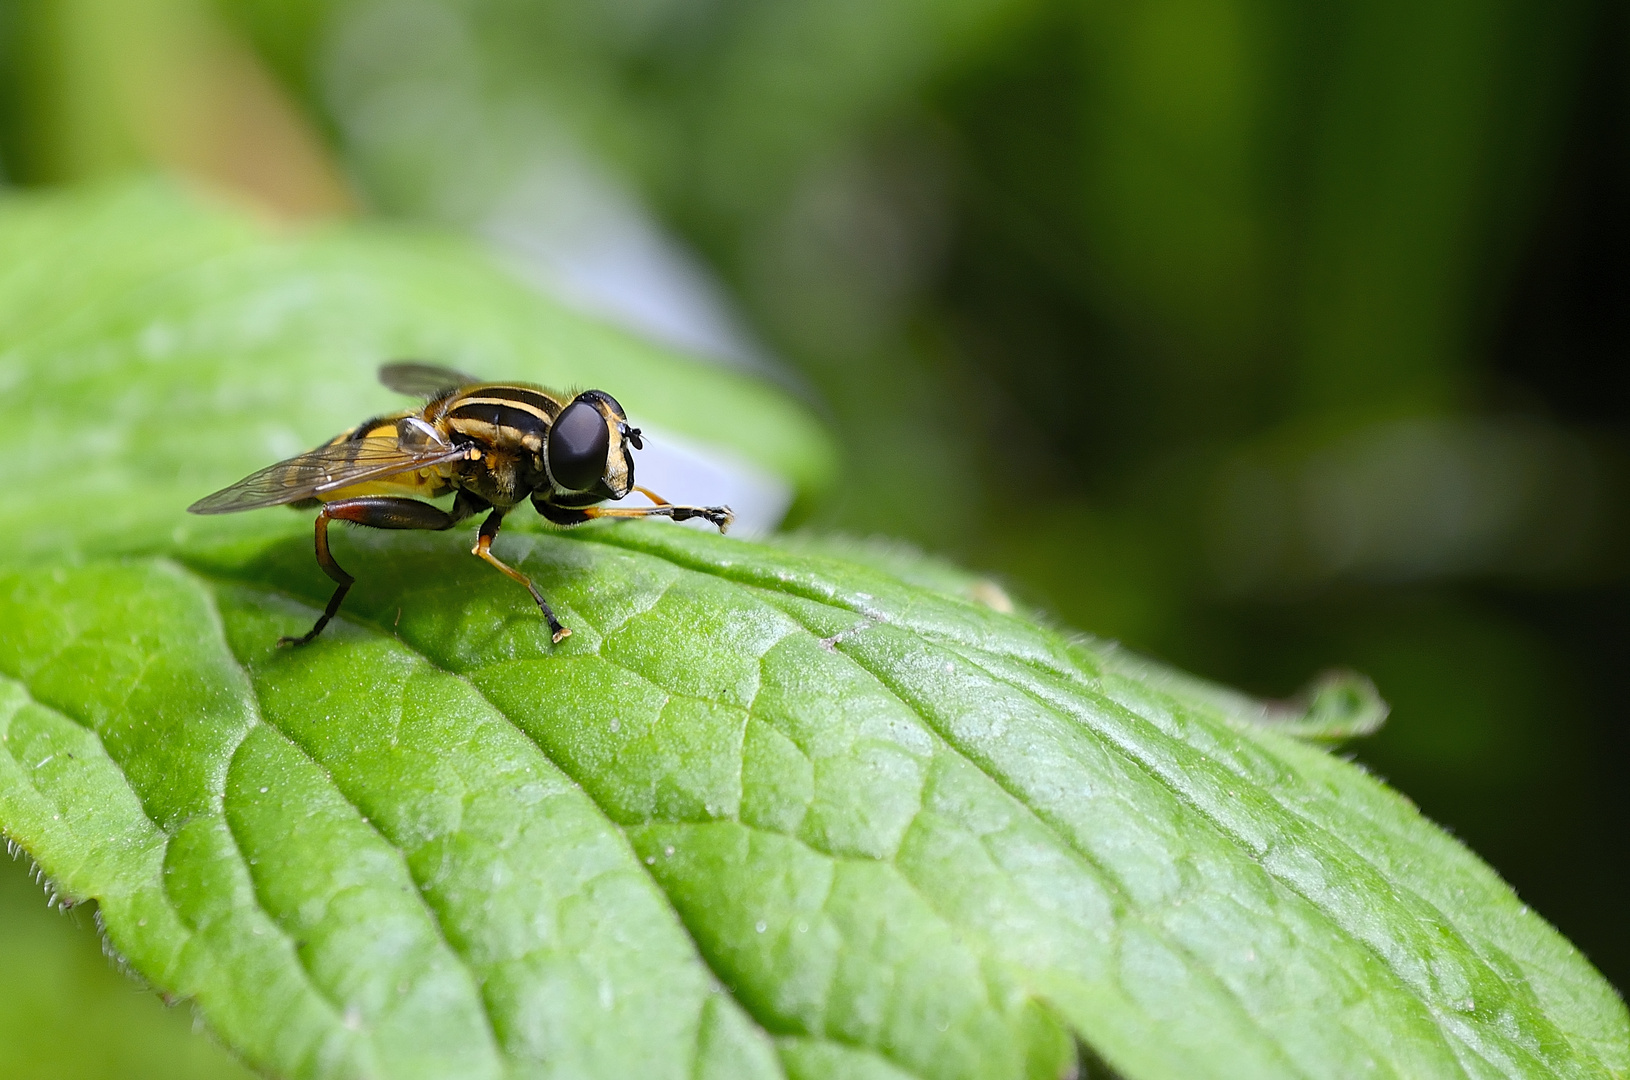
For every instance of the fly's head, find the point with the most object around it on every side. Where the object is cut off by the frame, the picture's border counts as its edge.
(590, 448)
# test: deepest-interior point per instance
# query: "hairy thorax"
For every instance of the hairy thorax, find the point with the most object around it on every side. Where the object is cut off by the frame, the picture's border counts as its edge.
(502, 476)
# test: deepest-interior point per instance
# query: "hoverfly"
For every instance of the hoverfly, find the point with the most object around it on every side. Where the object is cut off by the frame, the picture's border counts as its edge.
(493, 443)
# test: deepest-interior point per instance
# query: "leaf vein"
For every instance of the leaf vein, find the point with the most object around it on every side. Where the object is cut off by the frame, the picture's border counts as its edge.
(434, 917)
(1088, 862)
(1070, 674)
(163, 883)
(1066, 842)
(288, 938)
(1128, 752)
(434, 665)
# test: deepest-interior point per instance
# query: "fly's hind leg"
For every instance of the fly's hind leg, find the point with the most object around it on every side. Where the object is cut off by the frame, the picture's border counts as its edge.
(483, 549)
(377, 512)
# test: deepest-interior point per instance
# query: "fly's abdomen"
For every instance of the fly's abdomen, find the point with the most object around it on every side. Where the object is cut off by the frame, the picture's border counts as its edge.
(430, 482)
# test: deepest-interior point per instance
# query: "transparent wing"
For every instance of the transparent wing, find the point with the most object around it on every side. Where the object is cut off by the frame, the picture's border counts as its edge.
(422, 380)
(327, 468)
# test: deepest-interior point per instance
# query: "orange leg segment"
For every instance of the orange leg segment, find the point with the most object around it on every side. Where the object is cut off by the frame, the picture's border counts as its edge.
(483, 550)
(717, 515)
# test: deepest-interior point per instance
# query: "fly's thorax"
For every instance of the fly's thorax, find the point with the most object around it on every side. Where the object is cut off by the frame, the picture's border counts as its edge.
(511, 419)
(508, 425)
(502, 477)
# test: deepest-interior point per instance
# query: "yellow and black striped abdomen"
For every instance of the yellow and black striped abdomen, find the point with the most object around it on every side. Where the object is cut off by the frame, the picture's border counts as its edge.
(372, 439)
(378, 427)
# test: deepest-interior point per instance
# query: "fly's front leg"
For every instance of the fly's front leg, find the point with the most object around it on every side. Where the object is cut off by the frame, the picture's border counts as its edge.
(721, 516)
(378, 512)
(483, 549)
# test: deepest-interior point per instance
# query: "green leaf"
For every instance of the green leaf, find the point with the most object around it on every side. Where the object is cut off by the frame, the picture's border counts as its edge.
(770, 811)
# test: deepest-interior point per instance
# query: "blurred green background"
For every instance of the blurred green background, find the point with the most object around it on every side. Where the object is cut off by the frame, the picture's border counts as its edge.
(1264, 337)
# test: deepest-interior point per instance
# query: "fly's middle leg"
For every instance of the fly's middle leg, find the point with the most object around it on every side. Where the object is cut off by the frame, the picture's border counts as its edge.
(483, 550)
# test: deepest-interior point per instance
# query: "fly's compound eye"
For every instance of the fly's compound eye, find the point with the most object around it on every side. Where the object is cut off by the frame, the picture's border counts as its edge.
(579, 442)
